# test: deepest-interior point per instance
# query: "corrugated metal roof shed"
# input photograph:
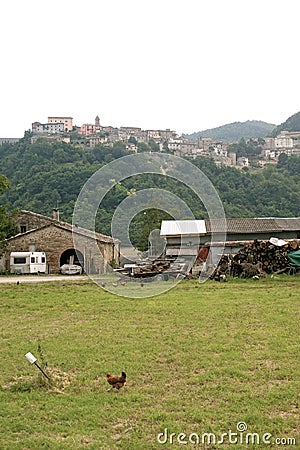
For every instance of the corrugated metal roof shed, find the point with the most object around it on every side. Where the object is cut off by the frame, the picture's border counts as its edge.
(231, 226)
(182, 228)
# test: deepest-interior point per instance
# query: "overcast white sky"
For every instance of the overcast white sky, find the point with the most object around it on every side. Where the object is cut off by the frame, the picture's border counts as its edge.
(185, 65)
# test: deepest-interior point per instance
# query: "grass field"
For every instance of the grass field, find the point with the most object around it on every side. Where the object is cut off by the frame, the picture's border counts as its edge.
(200, 358)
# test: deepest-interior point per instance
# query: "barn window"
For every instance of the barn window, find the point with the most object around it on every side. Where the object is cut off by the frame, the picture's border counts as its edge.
(23, 228)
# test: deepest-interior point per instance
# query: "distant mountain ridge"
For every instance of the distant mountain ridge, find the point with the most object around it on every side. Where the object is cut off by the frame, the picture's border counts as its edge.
(235, 131)
(291, 124)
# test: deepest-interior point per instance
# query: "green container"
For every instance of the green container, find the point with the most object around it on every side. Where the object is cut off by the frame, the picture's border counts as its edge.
(294, 258)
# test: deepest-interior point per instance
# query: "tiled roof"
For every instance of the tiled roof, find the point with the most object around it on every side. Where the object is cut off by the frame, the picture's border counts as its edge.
(253, 225)
(66, 226)
(289, 224)
(85, 232)
(69, 227)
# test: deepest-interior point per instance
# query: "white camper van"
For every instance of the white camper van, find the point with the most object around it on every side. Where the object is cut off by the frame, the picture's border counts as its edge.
(27, 262)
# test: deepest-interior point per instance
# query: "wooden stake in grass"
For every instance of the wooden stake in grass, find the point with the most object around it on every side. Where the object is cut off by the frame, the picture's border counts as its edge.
(32, 359)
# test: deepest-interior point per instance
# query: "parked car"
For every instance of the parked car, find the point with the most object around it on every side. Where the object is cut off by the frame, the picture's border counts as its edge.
(70, 269)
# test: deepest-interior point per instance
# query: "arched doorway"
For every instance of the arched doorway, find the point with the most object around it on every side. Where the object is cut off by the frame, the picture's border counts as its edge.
(72, 256)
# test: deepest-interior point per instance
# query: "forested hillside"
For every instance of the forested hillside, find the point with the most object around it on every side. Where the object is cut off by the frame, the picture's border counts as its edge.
(291, 124)
(233, 132)
(44, 175)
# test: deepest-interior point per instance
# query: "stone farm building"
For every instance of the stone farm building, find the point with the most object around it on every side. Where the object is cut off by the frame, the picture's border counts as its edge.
(55, 238)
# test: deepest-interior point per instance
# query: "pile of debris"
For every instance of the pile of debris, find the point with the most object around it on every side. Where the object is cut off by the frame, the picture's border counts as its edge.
(161, 269)
(256, 259)
(150, 270)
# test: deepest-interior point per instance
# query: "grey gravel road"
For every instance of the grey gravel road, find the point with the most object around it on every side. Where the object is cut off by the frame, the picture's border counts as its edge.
(40, 278)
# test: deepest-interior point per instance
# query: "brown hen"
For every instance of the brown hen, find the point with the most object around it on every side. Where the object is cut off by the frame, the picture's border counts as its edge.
(115, 381)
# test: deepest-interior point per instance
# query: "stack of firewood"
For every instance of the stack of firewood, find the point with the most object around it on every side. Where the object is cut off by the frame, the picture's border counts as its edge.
(256, 259)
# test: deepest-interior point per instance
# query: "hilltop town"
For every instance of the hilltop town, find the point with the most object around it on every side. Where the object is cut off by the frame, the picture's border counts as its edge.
(91, 134)
(255, 152)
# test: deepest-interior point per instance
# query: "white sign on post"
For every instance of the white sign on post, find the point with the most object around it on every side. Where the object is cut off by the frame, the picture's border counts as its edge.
(32, 359)
(29, 356)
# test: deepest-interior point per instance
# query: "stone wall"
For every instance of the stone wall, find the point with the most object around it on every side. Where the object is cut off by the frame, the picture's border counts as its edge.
(31, 220)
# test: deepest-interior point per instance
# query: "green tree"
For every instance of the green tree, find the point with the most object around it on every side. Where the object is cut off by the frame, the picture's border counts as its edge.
(132, 140)
(166, 147)
(7, 225)
(143, 224)
(246, 148)
(153, 145)
(282, 160)
(143, 147)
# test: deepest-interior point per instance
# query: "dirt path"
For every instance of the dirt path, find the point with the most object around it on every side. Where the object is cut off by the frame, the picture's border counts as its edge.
(40, 278)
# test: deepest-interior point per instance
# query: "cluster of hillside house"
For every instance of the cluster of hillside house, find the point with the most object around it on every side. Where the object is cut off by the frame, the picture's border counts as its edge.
(92, 134)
